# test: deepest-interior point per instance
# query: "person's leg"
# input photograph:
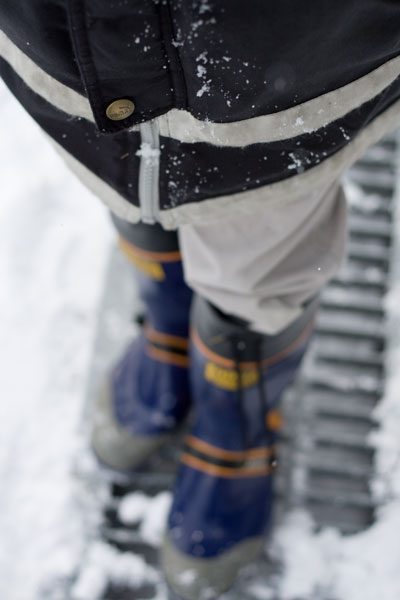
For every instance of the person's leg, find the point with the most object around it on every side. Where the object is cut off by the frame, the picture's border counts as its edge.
(264, 266)
(147, 394)
(257, 281)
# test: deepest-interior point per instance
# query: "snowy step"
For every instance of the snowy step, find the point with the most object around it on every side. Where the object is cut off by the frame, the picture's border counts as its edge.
(374, 205)
(377, 228)
(372, 362)
(343, 454)
(346, 379)
(350, 519)
(389, 142)
(336, 423)
(359, 347)
(372, 253)
(348, 488)
(363, 277)
(346, 324)
(344, 361)
(331, 402)
(381, 180)
(346, 498)
(347, 470)
(372, 161)
(120, 591)
(338, 436)
(340, 298)
(380, 155)
(361, 283)
(128, 540)
(359, 409)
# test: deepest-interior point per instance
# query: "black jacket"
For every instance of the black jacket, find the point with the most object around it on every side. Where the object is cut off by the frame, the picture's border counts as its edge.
(234, 104)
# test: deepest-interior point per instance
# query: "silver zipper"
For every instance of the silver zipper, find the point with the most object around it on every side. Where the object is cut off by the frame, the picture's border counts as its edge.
(149, 196)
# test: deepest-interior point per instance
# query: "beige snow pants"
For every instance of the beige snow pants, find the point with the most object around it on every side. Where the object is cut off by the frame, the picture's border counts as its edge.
(263, 267)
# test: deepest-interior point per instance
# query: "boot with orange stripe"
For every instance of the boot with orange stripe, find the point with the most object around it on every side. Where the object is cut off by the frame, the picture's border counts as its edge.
(223, 498)
(147, 395)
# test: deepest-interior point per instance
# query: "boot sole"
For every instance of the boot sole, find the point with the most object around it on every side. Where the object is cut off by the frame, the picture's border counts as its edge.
(115, 447)
(191, 578)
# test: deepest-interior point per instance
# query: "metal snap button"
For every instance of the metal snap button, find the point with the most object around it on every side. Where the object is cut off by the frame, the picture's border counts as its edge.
(120, 109)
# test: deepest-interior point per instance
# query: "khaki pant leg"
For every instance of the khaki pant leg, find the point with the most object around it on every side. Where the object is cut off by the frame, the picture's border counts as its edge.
(263, 267)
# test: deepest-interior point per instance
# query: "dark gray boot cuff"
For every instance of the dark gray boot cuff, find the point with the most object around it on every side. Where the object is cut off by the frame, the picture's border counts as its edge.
(218, 330)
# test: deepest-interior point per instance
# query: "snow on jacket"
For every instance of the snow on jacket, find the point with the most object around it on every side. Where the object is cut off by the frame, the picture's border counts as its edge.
(181, 110)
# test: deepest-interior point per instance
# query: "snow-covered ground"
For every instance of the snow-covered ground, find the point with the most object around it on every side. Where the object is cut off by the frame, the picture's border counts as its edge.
(54, 243)
(54, 240)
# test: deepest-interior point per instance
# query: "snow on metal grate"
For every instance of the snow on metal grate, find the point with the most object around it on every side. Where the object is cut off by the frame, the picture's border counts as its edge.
(330, 410)
(326, 461)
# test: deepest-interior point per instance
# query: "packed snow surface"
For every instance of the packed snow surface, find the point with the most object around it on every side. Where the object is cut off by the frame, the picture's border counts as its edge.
(54, 240)
(54, 243)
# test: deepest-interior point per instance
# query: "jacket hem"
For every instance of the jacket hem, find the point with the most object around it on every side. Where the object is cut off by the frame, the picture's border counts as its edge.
(53, 91)
(179, 124)
(288, 190)
(212, 209)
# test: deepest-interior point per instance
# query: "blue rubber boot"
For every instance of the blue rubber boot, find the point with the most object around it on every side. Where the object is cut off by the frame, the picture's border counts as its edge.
(223, 499)
(147, 395)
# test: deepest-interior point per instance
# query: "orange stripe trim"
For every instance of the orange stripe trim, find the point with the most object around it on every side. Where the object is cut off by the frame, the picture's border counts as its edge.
(216, 358)
(274, 420)
(259, 452)
(173, 341)
(161, 257)
(297, 342)
(167, 357)
(245, 366)
(216, 452)
(226, 472)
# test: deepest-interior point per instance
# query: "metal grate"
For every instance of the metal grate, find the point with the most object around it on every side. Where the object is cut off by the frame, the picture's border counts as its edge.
(330, 411)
